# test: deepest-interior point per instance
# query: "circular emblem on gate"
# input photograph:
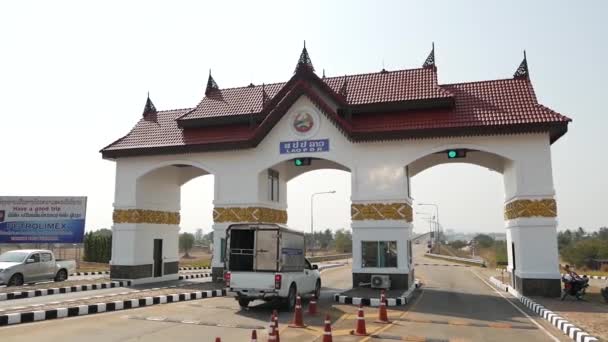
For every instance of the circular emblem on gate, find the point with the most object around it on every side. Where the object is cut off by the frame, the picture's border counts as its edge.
(305, 123)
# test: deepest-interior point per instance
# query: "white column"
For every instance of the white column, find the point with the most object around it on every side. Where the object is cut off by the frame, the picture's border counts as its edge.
(531, 223)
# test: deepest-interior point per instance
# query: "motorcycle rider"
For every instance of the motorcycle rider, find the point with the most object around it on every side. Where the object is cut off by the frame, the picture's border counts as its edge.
(577, 282)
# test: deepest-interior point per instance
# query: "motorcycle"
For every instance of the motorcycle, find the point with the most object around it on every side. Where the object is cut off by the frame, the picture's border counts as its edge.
(574, 286)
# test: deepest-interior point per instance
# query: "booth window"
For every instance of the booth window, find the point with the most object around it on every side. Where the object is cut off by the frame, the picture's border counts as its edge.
(273, 185)
(379, 254)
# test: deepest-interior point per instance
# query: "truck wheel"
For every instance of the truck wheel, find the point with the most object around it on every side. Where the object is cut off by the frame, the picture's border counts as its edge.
(318, 289)
(290, 301)
(62, 275)
(243, 303)
(16, 280)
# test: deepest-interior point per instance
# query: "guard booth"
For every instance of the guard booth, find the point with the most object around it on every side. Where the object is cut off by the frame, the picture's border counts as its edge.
(383, 127)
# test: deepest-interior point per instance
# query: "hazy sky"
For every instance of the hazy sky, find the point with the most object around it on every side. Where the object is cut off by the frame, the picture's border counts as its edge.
(74, 77)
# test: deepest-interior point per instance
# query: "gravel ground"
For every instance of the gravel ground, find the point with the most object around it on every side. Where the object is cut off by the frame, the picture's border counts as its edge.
(53, 284)
(591, 315)
(175, 289)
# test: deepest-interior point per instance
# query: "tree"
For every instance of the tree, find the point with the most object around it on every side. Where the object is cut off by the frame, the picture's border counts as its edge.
(98, 246)
(484, 241)
(458, 244)
(198, 236)
(186, 242)
(343, 241)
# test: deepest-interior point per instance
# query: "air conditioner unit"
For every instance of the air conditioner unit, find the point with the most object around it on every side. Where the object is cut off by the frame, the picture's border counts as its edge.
(381, 281)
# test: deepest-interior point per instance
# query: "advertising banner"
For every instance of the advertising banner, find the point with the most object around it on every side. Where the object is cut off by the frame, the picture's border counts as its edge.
(42, 219)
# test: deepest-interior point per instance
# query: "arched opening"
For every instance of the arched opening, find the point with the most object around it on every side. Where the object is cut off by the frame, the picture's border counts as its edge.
(458, 193)
(149, 215)
(317, 198)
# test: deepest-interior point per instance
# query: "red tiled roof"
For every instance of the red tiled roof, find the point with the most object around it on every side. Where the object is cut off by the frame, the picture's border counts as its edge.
(394, 86)
(487, 107)
(477, 104)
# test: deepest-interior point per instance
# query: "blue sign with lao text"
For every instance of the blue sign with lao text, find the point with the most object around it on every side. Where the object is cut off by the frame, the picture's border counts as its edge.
(304, 146)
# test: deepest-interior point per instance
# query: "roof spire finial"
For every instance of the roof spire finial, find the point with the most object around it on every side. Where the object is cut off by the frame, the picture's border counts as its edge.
(430, 60)
(522, 71)
(344, 88)
(304, 62)
(323, 72)
(265, 97)
(149, 108)
(211, 85)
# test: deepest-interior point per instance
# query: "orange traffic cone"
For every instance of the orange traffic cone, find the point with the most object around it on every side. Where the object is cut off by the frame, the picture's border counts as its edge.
(382, 313)
(327, 331)
(254, 336)
(272, 337)
(275, 325)
(312, 305)
(360, 325)
(298, 321)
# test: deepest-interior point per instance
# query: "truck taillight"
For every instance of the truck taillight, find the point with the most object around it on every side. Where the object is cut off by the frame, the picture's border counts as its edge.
(277, 281)
(227, 279)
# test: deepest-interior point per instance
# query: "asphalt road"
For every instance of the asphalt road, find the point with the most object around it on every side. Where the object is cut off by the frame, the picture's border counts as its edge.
(7, 304)
(454, 305)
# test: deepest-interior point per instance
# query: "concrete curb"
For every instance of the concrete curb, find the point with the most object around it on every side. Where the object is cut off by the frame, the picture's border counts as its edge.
(326, 267)
(455, 265)
(563, 274)
(89, 273)
(572, 331)
(339, 298)
(81, 310)
(446, 257)
(193, 276)
(61, 290)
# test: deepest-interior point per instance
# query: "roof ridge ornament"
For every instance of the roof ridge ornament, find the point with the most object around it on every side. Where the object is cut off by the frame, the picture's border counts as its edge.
(522, 71)
(304, 62)
(211, 84)
(429, 63)
(344, 88)
(149, 107)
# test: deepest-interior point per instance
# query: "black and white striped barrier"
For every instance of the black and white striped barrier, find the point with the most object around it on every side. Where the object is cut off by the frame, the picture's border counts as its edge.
(572, 331)
(193, 268)
(60, 290)
(89, 273)
(342, 299)
(563, 274)
(592, 276)
(194, 276)
(81, 310)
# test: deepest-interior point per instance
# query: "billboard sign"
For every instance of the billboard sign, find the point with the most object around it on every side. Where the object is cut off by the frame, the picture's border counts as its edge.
(26, 219)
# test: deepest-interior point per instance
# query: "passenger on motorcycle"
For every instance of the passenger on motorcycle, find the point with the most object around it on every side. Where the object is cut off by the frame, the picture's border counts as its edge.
(574, 285)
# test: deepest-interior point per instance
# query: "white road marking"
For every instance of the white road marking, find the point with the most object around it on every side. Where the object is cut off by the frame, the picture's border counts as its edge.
(517, 307)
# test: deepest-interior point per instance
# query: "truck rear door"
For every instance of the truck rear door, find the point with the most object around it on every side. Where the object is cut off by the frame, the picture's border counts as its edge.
(266, 244)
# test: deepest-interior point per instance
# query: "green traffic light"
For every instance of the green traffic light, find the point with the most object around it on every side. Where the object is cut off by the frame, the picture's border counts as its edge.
(298, 162)
(452, 154)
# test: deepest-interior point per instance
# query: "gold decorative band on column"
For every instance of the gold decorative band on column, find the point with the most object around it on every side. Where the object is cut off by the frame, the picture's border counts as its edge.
(249, 214)
(546, 207)
(145, 216)
(381, 211)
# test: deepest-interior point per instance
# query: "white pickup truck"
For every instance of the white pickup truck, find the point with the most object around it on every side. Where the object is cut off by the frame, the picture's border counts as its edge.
(266, 261)
(32, 265)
